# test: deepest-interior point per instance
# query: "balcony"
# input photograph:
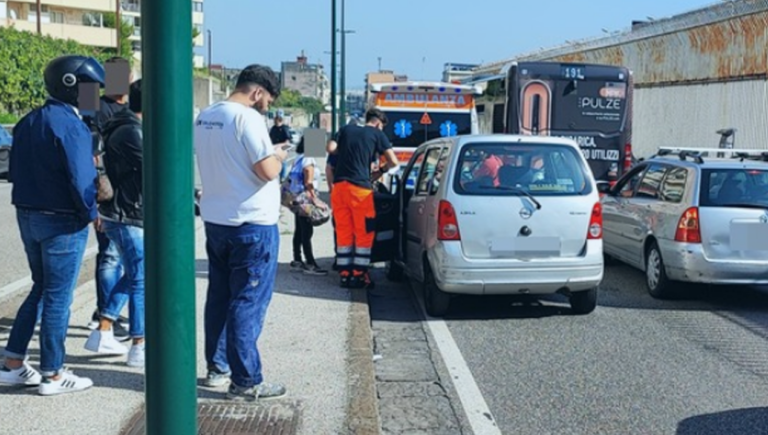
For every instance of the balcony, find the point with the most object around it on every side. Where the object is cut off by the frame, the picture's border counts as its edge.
(88, 5)
(130, 7)
(94, 36)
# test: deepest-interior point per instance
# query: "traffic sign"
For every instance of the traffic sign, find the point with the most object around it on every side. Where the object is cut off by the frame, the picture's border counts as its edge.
(425, 119)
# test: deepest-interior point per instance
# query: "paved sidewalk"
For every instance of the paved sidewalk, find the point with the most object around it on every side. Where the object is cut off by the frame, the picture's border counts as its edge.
(317, 341)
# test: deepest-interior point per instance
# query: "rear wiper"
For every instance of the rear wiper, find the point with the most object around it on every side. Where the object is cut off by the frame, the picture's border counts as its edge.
(516, 189)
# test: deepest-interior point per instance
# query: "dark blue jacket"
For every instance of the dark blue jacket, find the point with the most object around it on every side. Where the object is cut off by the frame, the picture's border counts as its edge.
(51, 164)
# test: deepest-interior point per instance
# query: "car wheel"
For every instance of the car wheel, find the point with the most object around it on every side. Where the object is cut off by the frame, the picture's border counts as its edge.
(655, 275)
(394, 271)
(584, 302)
(437, 301)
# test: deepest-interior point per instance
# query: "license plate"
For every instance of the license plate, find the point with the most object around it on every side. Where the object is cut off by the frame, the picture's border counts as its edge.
(526, 245)
(749, 236)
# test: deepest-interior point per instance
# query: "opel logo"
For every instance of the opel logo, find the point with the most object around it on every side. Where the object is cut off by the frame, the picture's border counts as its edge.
(764, 219)
(525, 213)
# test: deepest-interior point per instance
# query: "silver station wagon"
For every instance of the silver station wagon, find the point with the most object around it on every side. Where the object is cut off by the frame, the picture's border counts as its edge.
(685, 216)
(493, 215)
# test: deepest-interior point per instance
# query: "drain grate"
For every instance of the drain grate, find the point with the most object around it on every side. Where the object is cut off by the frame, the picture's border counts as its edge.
(226, 418)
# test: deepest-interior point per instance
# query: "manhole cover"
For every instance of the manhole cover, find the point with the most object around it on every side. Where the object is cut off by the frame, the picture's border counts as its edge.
(226, 418)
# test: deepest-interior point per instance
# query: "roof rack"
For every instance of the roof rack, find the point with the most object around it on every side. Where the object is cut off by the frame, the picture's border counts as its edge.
(683, 153)
(698, 153)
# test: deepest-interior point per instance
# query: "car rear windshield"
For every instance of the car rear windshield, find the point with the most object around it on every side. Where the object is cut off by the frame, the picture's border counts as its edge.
(734, 188)
(506, 168)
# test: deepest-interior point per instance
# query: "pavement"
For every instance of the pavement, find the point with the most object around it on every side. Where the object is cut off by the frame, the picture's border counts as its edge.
(316, 340)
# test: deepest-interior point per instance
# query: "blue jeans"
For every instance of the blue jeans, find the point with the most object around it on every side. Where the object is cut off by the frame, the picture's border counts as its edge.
(108, 270)
(242, 266)
(129, 241)
(55, 245)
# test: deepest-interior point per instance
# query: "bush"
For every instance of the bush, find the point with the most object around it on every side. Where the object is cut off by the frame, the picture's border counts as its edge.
(23, 56)
(7, 118)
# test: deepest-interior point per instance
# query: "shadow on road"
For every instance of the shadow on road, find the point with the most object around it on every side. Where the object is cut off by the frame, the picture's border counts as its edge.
(296, 283)
(738, 421)
(624, 287)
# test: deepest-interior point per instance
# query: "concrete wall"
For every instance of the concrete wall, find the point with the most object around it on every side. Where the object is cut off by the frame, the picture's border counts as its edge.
(689, 115)
(207, 90)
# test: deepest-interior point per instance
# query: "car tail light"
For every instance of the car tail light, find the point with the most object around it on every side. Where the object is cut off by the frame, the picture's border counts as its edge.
(447, 223)
(596, 223)
(627, 157)
(688, 227)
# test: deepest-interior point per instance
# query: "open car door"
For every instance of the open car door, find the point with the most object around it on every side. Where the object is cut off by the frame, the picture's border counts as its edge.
(386, 200)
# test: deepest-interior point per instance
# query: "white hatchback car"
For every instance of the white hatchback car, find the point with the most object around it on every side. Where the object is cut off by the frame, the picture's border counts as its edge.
(492, 215)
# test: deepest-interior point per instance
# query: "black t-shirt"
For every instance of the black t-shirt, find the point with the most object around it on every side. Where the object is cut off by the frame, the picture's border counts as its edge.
(279, 134)
(357, 148)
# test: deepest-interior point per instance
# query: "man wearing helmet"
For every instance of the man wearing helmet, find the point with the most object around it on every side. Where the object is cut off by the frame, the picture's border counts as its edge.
(54, 192)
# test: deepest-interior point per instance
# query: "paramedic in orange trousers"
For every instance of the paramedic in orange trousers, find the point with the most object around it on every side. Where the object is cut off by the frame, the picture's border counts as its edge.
(352, 195)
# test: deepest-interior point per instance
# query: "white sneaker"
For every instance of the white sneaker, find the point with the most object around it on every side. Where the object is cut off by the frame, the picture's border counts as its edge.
(104, 342)
(136, 356)
(24, 375)
(67, 383)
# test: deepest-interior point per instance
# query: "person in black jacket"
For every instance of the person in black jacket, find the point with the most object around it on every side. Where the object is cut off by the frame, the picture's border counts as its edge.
(108, 268)
(122, 220)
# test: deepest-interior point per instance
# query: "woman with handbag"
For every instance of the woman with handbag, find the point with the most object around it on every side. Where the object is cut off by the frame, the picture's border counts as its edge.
(303, 179)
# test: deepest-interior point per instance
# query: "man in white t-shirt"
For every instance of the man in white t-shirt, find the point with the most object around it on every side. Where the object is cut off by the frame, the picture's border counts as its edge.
(240, 205)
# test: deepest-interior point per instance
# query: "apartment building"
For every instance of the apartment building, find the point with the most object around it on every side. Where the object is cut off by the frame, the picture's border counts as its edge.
(455, 72)
(131, 12)
(83, 20)
(307, 79)
(80, 20)
(381, 76)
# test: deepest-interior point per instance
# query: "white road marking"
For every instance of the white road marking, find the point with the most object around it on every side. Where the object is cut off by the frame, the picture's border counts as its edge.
(15, 286)
(479, 415)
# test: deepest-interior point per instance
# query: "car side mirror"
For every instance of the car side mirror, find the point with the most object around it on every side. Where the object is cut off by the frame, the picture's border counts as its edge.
(604, 187)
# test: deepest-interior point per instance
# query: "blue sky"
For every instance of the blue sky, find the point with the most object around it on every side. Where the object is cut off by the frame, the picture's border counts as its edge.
(414, 37)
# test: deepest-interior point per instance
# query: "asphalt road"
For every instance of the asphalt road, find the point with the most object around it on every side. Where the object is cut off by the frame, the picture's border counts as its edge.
(698, 365)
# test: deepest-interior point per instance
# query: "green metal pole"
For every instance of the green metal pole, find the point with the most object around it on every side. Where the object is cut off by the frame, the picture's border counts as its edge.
(343, 78)
(333, 67)
(171, 390)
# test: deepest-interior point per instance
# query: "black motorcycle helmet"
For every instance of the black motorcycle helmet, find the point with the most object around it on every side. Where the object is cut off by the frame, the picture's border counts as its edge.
(64, 74)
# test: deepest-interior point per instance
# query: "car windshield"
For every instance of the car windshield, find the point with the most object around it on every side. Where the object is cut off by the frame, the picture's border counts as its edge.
(520, 169)
(734, 188)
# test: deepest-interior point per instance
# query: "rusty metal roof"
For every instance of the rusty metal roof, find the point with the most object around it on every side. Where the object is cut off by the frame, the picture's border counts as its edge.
(723, 41)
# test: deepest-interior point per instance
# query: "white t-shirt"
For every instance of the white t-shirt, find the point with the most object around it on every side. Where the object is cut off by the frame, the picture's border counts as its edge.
(229, 139)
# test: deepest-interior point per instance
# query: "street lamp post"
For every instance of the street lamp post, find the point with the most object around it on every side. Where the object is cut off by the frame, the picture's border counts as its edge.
(333, 67)
(344, 31)
(118, 26)
(210, 49)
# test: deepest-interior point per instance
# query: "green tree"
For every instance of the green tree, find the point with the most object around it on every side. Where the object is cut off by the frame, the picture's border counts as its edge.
(290, 98)
(195, 34)
(311, 105)
(23, 57)
(126, 31)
